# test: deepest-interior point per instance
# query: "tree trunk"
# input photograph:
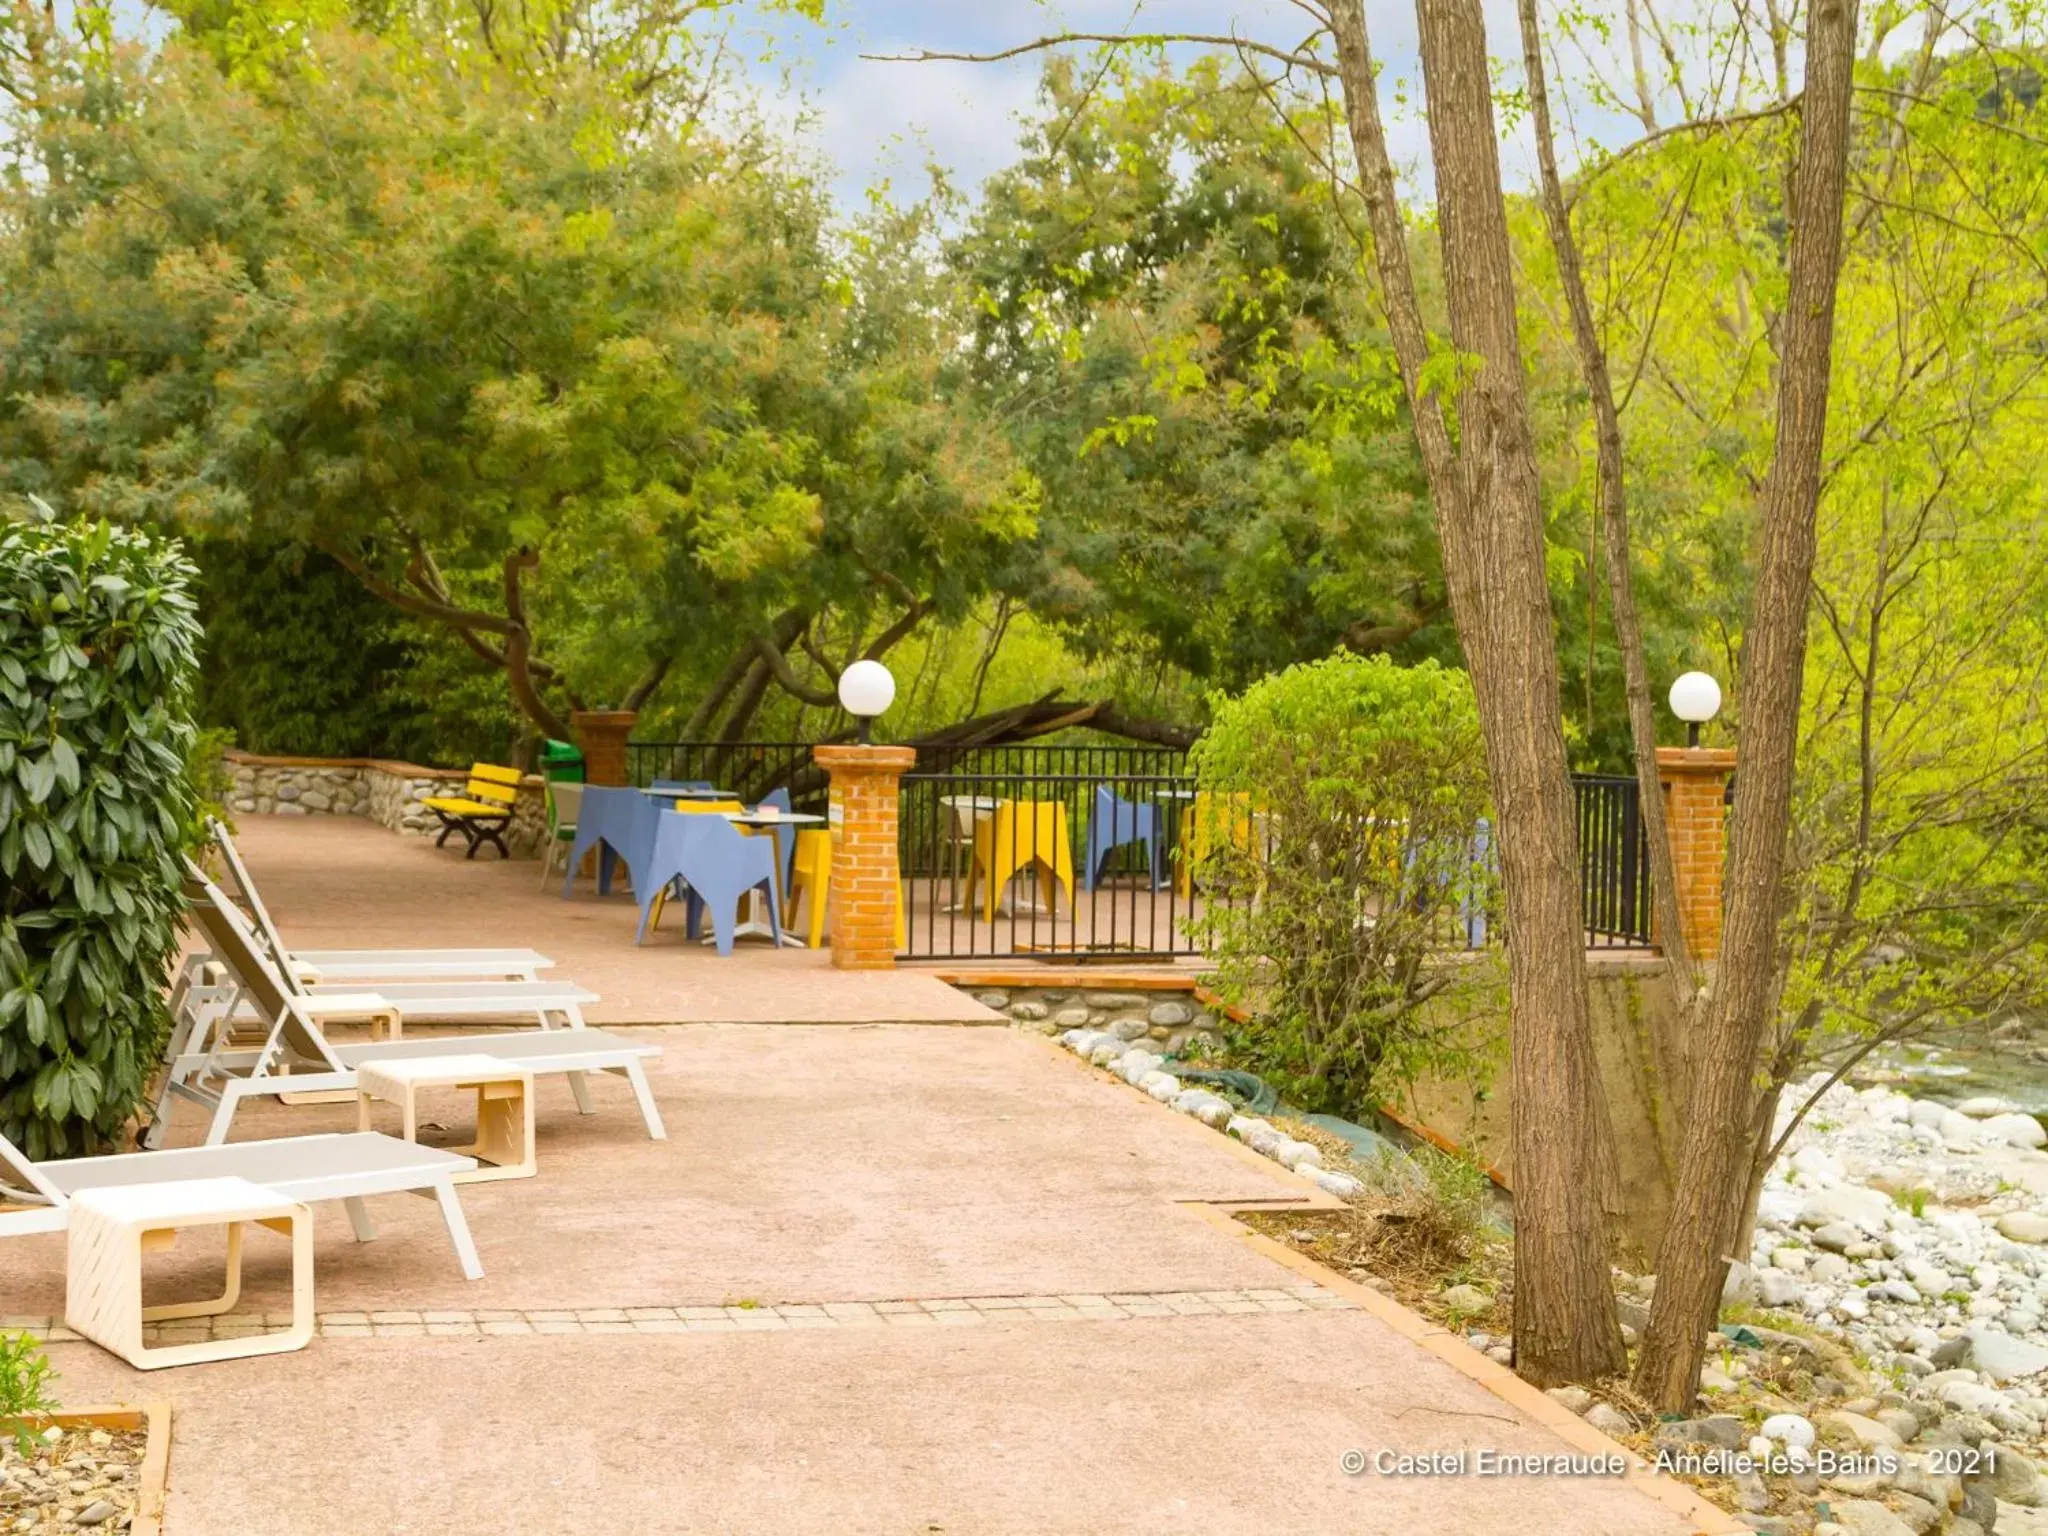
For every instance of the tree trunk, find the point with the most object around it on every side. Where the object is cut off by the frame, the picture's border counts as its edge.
(1613, 506)
(1712, 1179)
(1489, 518)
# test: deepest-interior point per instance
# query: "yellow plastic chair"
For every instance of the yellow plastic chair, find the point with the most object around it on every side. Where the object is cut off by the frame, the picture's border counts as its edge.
(1021, 835)
(811, 873)
(1214, 820)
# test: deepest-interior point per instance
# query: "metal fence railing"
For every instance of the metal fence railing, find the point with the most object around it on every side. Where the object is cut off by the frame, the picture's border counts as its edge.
(1096, 863)
(1614, 861)
(1109, 835)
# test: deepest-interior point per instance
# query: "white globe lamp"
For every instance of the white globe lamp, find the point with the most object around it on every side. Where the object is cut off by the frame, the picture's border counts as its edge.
(1695, 699)
(866, 689)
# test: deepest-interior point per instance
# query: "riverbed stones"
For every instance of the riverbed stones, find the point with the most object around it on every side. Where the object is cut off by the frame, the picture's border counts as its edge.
(2015, 1130)
(2002, 1357)
(1866, 1517)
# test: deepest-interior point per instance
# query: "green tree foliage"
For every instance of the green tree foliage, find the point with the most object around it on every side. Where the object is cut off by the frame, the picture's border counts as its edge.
(301, 659)
(622, 402)
(1171, 318)
(98, 645)
(1337, 841)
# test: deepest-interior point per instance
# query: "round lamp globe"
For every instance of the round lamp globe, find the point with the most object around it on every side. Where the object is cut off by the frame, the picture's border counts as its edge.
(1695, 698)
(866, 689)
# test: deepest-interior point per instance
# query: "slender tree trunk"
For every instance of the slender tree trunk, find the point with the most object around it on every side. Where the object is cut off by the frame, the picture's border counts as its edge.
(1489, 516)
(1613, 505)
(1712, 1179)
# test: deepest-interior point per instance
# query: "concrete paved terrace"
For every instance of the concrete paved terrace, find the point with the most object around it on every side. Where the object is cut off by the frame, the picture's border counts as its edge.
(891, 1278)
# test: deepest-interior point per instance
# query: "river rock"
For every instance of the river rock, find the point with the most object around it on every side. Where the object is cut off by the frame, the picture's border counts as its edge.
(2002, 1357)
(2015, 1479)
(2024, 1226)
(1864, 1209)
(1789, 1429)
(1466, 1298)
(1984, 1106)
(1775, 1288)
(2015, 1130)
(1575, 1399)
(1837, 1236)
(1716, 1429)
(1865, 1432)
(1866, 1517)
(1169, 1015)
(1610, 1420)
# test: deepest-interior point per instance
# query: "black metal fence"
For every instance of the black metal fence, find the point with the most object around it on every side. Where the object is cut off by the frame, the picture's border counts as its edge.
(1614, 861)
(1091, 859)
(1088, 852)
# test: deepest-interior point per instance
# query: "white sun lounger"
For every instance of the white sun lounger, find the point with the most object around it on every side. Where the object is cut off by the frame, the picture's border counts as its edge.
(547, 1002)
(36, 1197)
(295, 1056)
(315, 966)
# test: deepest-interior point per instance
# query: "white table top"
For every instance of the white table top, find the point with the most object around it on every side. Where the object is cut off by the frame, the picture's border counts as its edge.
(180, 1199)
(670, 792)
(779, 819)
(398, 1072)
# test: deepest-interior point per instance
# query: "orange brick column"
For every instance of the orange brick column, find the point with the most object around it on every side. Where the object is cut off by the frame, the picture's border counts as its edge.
(1695, 783)
(862, 816)
(602, 733)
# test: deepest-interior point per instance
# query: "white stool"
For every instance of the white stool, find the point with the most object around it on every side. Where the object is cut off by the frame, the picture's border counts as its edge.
(504, 1106)
(111, 1228)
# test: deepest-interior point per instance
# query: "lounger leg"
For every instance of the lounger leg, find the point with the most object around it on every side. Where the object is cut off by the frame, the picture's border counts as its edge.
(224, 1115)
(458, 1230)
(581, 1090)
(359, 1219)
(648, 1113)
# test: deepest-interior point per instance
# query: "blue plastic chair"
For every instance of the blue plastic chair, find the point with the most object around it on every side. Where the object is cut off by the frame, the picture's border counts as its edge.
(618, 823)
(720, 865)
(1113, 823)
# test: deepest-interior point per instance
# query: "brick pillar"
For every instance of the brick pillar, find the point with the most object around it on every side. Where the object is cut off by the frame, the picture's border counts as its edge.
(1695, 783)
(862, 816)
(602, 733)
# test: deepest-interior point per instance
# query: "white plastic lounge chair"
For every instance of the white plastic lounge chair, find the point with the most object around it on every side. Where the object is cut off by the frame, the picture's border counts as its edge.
(36, 1197)
(549, 1002)
(295, 1057)
(313, 966)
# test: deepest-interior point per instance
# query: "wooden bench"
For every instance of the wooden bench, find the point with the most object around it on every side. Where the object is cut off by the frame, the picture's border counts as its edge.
(483, 810)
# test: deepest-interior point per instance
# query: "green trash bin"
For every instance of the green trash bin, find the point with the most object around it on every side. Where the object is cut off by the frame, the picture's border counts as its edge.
(561, 762)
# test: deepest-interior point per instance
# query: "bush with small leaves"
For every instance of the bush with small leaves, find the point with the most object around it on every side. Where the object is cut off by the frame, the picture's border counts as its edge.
(1337, 832)
(98, 646)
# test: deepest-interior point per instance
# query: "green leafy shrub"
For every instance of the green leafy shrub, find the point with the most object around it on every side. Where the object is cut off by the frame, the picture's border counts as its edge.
(97, 654)
(1335, 832)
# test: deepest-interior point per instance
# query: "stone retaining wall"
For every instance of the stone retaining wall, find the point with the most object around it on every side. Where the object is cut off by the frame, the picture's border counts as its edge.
(388, 793)
(1173, 1020)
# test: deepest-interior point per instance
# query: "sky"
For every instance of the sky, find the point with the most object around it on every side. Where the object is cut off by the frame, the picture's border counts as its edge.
(881, 122)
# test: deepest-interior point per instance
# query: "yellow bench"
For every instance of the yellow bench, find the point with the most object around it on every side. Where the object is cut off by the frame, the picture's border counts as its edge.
(482, 811)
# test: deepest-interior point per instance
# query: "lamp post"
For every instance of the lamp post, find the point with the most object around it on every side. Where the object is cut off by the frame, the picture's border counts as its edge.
(1695, 699)
(866, 689)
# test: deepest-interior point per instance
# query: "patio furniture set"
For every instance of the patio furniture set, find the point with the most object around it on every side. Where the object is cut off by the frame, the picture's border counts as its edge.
(690, 841)
(250, 1019)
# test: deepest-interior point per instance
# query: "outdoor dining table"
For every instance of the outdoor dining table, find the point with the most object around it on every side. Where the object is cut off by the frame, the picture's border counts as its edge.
(755, 924)
(677, 792)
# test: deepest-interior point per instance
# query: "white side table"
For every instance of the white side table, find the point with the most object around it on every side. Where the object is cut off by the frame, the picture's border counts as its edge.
(112, 1228)
(504, 1106)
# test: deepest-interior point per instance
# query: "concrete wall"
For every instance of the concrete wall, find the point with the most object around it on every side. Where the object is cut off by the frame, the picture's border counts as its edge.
(1635, 1035)
(388, 793)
